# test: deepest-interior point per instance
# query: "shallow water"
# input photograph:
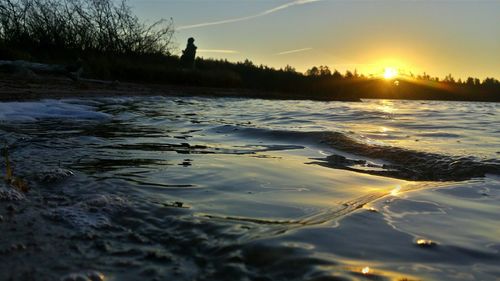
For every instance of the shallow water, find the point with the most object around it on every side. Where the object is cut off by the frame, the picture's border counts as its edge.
(233, 189)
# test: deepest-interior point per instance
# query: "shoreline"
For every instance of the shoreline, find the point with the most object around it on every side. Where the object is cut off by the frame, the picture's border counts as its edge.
(43, 87)
(16, 88)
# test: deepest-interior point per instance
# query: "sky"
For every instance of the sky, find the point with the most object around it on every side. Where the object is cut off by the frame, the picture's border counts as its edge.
(439, 37)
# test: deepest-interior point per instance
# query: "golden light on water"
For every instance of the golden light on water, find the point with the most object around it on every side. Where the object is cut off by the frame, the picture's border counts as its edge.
(422, 242)
(425, 243)
(395, 191)
(365, 270)
(386, 106)
(390, 72)
(384, 129)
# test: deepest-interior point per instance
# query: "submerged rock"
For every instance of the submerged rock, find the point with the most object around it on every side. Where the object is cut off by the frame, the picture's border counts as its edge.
(339, 160)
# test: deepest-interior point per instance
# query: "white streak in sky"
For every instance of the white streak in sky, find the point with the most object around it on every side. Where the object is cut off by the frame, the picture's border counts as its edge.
(293, 51)
(218, 51)
(264, 13)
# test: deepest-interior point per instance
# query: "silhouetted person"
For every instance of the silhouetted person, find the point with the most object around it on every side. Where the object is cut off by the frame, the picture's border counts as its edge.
(189, 54)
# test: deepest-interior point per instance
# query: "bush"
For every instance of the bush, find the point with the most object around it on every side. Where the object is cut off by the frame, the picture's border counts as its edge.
(74, 27)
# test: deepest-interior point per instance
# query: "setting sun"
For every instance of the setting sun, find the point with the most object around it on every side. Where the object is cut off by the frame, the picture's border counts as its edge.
(390, 73)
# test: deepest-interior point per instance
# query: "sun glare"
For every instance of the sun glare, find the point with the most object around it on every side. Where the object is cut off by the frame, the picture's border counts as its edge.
(365, 270)
(390, 73)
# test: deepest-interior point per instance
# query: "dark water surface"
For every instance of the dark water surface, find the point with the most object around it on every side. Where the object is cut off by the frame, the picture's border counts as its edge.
(163, 188)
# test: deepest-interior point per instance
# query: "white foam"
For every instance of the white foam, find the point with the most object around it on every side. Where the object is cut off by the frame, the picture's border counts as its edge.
(48, 109)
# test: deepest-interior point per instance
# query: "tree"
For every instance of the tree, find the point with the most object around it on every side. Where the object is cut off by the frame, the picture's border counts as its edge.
(470, 81)
(289, 68)
(490, 81)
(105, 26)
(336, 75)
(449, 79)
(314, 71)
(248, 63)
(324, 71)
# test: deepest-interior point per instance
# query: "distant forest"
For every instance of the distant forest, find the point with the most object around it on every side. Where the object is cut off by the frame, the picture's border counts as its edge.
(114, 44)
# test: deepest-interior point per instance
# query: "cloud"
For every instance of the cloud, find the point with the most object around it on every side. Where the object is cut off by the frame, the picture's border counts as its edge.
(218, 51)
(264, 13)
(293, 51)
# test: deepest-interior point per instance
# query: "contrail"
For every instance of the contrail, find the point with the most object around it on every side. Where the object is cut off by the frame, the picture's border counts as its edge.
(293, 51)
(266, 12)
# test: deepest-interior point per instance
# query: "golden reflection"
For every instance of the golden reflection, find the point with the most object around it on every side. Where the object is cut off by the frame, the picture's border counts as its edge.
(425, 243)
(365, 270)
(386, 106)
(384, 129)
(371, 273)
(396, 190)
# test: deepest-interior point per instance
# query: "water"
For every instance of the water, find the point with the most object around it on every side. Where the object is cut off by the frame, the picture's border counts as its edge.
(163, 188)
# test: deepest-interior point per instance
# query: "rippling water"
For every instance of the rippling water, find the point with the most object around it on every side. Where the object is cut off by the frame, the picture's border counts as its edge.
(164, 188)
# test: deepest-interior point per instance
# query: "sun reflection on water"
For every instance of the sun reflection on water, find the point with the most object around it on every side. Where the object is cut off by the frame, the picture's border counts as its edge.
(365, 270)
(384, 129)
(396, 190)
(385, 106)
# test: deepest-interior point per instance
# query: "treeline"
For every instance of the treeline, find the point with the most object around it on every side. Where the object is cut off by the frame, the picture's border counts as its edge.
(115, 45)
(322, 83)
(411, 86)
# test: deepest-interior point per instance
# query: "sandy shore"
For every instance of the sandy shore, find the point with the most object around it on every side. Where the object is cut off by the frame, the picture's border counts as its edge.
(14, 88)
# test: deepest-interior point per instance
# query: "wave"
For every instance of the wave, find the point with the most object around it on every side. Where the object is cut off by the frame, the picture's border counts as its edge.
(403, 163)
(48, 109)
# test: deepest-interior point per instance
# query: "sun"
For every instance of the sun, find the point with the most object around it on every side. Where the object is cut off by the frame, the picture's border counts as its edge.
(390, 72)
